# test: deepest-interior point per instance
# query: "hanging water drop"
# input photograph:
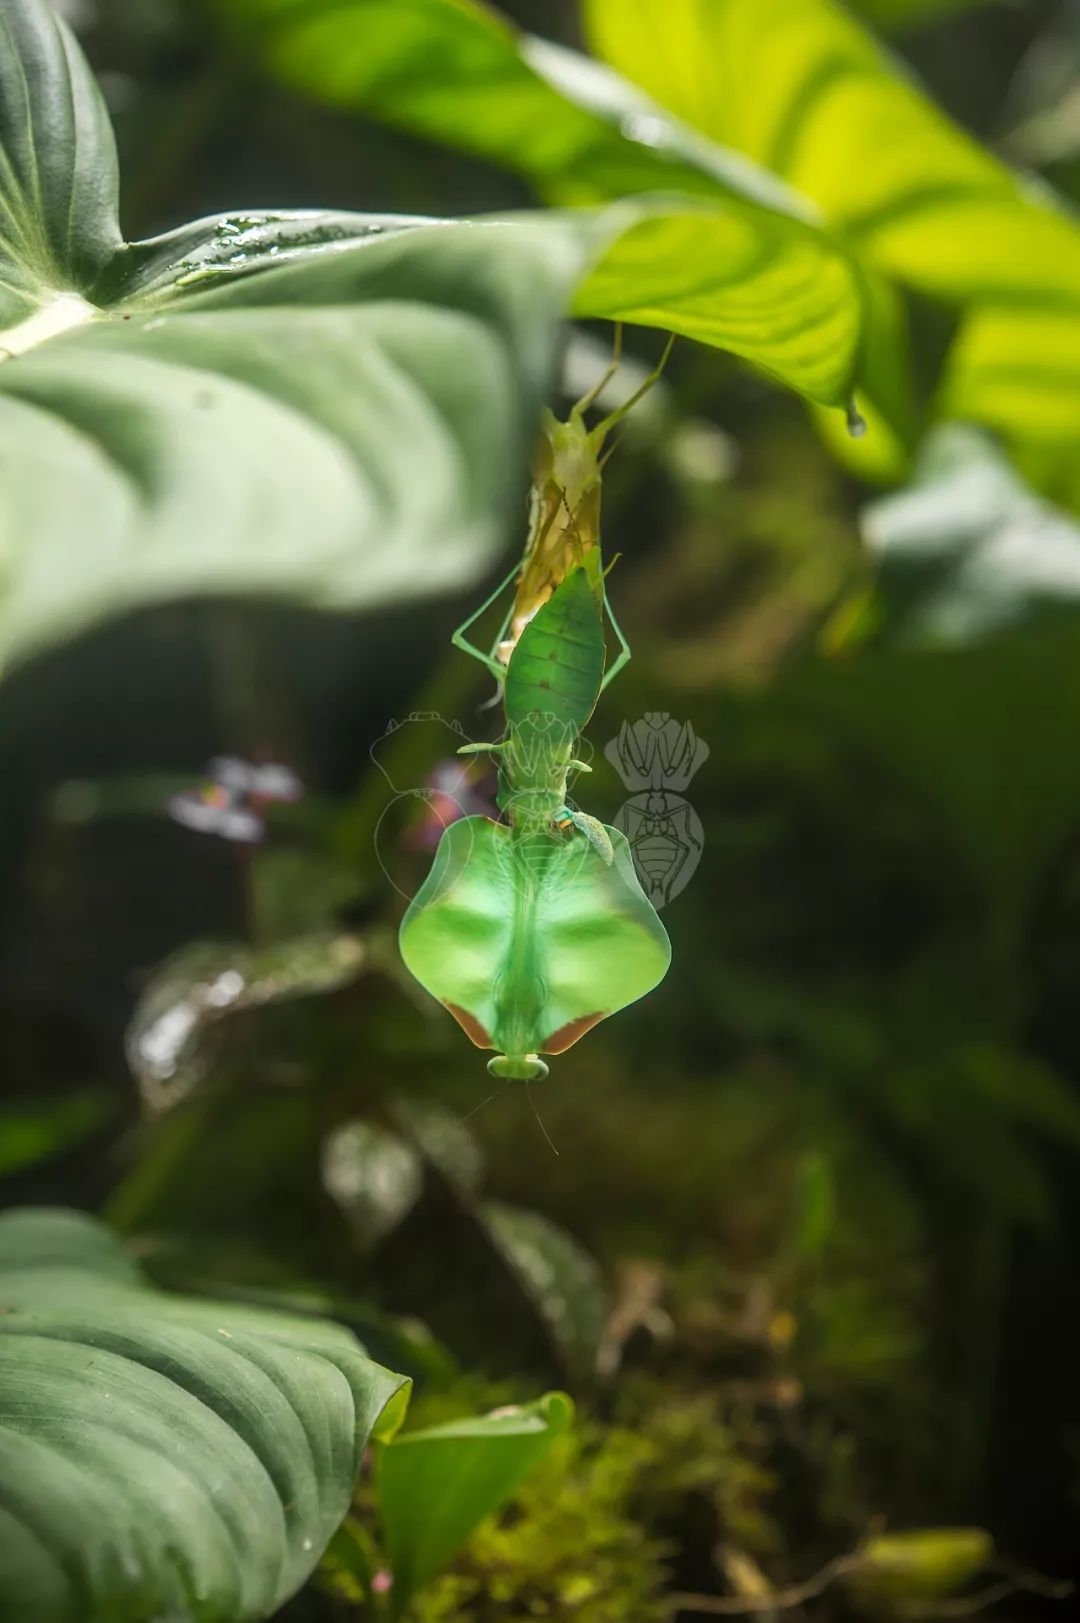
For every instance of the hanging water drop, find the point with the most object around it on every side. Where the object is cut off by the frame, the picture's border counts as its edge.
(856, 422)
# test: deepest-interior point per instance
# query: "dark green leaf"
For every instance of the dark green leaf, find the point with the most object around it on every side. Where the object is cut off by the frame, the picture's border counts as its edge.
(163, 1456)
(207, 982)
(968, 698)
(558, 1275)
(238, 1272)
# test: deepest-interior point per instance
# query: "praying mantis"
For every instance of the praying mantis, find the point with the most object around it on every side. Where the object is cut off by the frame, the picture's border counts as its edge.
(532, 930)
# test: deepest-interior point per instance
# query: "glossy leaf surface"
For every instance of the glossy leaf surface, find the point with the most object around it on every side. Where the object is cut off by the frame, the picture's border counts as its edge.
(240, 406)
(193, 992)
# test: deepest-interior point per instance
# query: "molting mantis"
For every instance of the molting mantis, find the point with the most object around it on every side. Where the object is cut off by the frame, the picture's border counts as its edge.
(531, 930)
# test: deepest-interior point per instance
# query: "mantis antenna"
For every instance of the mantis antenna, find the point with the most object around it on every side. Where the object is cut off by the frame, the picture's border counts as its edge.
(489, 1100)
(539, 1119)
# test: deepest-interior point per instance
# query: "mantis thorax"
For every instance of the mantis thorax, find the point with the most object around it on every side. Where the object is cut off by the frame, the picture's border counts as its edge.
(534, 766)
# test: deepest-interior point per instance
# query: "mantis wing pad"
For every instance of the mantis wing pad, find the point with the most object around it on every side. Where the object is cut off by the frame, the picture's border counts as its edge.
(530, 942)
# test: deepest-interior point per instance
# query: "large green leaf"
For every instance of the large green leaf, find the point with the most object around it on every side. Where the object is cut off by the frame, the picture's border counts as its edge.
(435, 1486)
(734, 259)
(265, 437)
(801, 88)
(798, 86)
(163, 1456)
(243, 405)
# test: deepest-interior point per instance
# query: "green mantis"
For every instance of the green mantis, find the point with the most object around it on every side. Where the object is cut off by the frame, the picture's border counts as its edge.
(532, 930)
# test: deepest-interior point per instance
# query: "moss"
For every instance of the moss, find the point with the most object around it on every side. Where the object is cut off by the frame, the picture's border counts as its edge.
(568, 1547)
(584, 1538)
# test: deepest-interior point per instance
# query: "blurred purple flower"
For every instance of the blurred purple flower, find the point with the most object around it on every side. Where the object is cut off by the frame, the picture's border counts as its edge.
(455, 788)
(231, 803)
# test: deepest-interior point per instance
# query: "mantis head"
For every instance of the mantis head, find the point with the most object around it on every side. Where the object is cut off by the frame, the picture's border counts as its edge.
(518, 1067)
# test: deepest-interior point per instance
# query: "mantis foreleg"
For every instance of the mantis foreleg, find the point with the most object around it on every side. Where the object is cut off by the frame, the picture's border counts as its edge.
(602, 429)
(592, 395)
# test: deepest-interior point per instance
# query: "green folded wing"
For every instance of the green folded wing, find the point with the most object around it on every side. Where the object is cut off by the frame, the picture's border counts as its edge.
(604, 946)
(456, 934)
(528, 943)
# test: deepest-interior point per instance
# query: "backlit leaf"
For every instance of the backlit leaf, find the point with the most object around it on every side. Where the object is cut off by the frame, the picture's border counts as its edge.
(435, 1486)
(803, 90)
(732, 257)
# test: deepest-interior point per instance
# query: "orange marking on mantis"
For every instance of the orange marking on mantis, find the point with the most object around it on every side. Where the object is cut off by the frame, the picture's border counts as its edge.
(567, 1035)
(470, 1025)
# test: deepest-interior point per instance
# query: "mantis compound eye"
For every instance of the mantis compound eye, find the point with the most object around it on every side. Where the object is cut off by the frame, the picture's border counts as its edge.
(518, 1067)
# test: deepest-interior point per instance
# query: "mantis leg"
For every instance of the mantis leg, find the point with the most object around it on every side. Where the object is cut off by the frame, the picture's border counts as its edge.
(591, 395)
(624, 655)
(603, 428)
(459, 639)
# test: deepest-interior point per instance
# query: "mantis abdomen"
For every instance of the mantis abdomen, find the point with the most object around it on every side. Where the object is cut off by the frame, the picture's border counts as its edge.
(558, 664)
